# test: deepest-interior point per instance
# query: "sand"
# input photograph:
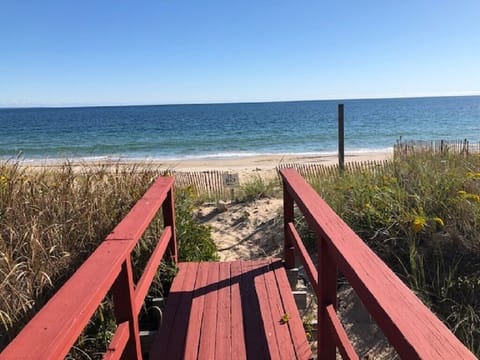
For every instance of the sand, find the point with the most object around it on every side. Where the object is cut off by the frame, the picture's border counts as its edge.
(267, 163)
(245, 167)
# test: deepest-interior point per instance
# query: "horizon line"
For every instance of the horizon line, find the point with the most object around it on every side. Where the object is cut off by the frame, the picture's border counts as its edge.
(66, 106)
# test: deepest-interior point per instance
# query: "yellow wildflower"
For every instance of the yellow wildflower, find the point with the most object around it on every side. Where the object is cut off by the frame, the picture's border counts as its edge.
(3, 180)
(419, 223)
(461, 193)
(439, 221)
(368, 206)
(285, 318)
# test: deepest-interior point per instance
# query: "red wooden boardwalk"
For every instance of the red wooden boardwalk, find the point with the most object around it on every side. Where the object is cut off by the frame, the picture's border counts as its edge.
(231, 310)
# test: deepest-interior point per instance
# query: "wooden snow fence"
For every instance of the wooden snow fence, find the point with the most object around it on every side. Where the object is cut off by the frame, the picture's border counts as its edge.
(204, 183)
(411, 147)
(322, 171)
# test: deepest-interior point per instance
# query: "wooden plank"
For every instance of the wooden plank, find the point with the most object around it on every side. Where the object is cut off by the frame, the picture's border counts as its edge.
(123, 295)
(288, 216)
(411, 328)
(223, 348)
(142, 213)
(266, 310)
(118, 342)
(150, 270)
(237, 328)
(54, 330)
(208, 330)
(341, 339)
(277, 312)
(327, 295)
(176, 344)
(168, 209)
(297, 332)
(166, 331)
(196, 313)
(304, 256)
(255, 340)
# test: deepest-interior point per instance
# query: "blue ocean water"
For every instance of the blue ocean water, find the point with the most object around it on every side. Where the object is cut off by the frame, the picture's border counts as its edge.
(229, 130)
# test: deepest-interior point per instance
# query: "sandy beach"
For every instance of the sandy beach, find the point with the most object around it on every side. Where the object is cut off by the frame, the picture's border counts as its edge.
(269, 162)
(247, 166)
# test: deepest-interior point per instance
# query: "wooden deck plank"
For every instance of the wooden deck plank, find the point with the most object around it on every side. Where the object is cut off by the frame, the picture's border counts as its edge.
(266, 313)
(176, 344)
(223, 349)
(196, 313)
(209, 324)
(237, 334)
(255, 339)
(301, 346)
(230, 310)
(166, 330)
(277, 311)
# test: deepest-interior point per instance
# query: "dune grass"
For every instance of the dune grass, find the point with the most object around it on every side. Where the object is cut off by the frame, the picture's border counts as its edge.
(51, 220)
(421, 215)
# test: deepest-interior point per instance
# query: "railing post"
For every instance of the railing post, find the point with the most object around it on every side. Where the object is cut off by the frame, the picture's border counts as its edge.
(288, 216)
(168, 209)
(327, 284)
(124, 307)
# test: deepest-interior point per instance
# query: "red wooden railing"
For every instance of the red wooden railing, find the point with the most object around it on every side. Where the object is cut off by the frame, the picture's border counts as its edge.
(54, 330)
(411, 328)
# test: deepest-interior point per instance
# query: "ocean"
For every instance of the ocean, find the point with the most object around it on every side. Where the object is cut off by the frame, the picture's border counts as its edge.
(171, 132)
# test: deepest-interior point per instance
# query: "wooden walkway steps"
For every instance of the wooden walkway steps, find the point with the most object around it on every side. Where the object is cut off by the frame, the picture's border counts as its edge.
(231, 310)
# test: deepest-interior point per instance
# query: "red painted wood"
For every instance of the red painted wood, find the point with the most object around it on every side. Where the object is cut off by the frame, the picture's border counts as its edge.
(124, 308)
(166, 332)
(223, 348)
(277, 311)
(297, 332)
(118, 343)
(142, 213)
(196, 312)
(307, 262)
(232, 308)
(209, 324)
(176, 344)
(150, 270)
(56, 327)
(266, 312)
(255, 339)
(411, 328)
(237, 332)
(341, 338)
(54, 330)
(288, 217)
(169, 220)
(327, 295)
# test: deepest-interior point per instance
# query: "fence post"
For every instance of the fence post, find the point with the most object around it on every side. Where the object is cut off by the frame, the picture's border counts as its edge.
(124, 307)
(168, 209)
(288, 217)
(327, 284)
(341, 138)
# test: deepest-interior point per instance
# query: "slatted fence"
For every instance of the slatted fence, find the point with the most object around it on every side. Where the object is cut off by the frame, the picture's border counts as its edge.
(412, 147)
(204, 183)
(322, 171)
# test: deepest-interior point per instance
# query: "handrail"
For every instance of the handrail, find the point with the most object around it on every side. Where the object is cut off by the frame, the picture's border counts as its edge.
(411, 328)
(55, 328)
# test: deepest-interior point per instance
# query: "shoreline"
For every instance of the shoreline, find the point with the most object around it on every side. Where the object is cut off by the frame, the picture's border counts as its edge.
(245, 166)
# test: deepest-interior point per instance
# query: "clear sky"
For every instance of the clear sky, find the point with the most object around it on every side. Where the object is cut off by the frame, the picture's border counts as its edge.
(73, 52)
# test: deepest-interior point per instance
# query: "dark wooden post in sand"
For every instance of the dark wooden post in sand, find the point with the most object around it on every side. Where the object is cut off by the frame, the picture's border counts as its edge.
(341, 138)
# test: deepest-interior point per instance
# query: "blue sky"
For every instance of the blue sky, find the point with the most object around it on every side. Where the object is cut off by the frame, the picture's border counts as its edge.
(85, 52)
